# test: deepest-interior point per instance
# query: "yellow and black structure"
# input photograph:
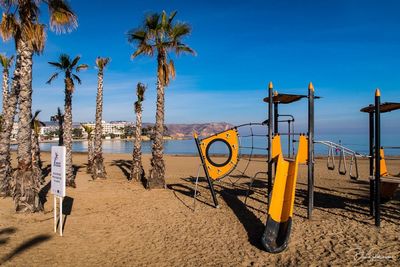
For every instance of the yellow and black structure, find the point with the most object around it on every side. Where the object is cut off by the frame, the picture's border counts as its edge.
(217, 170)
(282, 181)
(381, 183)
(280, 212)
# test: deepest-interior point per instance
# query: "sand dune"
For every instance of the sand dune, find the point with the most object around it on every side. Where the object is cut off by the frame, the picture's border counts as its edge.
(118, 223)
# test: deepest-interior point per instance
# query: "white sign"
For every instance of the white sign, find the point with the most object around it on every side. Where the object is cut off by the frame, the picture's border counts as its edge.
(58, 170)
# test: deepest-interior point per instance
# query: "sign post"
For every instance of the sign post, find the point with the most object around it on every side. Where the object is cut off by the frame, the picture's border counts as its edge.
(58, 181)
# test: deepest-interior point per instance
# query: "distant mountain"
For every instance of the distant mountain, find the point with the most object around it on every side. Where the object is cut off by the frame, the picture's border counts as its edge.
(203, 129)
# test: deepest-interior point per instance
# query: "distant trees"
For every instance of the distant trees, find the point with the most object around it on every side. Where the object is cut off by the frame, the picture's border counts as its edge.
(59, 118)
(89, 130)
(159, 35)
(69, 67)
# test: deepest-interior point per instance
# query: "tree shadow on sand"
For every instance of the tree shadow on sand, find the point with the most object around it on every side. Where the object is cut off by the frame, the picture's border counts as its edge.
(125, 167)
(4, 234)
(35, 241)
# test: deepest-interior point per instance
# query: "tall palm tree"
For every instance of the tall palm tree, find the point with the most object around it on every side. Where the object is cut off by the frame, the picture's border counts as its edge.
(137, 171)
(89, 131)
(20, 21)
(68, 67)
(159, 34)
(36, 124)
(59, 118)
(6, 63)
(98, 170)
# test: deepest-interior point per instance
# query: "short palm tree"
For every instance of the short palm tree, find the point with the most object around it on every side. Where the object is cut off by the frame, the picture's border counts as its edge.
(36, 124)
(20, 21)
(59, 118)
(6, 63)
(159, 34)
(137, 172)
(89, 131)
(68, 67)
(98, 170)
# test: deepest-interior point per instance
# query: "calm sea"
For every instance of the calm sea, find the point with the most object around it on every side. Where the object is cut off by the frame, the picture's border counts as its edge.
(358, 143)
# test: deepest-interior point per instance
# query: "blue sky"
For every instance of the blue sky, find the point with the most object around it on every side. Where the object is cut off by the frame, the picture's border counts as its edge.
(346, 48)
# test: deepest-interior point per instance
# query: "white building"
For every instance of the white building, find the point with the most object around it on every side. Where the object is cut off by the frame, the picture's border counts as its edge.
(113, 127)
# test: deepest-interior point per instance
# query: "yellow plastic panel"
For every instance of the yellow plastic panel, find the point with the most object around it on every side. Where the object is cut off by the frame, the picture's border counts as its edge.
(384, 171)
(231, 139)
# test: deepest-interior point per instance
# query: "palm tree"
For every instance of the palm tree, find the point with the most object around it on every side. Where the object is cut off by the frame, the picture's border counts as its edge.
(137, 172)
(6, 63)
(59, 117)
(98, 170)
(20, 21)
(89, 131)
(36, 124)
(67, 66)
(159, 34)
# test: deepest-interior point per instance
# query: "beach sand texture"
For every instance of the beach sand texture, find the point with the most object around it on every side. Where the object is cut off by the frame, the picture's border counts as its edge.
(118, 223)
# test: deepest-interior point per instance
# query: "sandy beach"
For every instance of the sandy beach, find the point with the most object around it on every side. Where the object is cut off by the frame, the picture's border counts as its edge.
(114, 222)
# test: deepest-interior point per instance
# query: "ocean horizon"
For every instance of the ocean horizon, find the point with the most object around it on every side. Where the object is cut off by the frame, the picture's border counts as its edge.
(355, 142)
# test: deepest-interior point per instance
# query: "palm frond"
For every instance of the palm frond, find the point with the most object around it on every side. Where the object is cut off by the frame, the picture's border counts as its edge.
(102, 62)
(151, 21)
(65, 61)
(82, 67)
(171, 69)
(62, 18)
(8, 26)
(5, 61)
(180, 30)
(182, 48)
(75, 61)
(54, 76)
(145, 49)
(172, 16)
(76, 78)
(140, 90)
(36, 35)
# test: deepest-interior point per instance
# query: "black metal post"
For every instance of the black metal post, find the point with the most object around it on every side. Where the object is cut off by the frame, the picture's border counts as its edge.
(270, 128)
(377, 158)
(310, 184)
(371, 163)
(276, 127)
(210, 182)
(288, 139)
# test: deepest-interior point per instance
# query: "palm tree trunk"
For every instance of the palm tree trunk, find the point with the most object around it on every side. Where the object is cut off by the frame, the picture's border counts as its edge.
(9, 111)
(25, 185)
(90, 154)
(5, 88)
(61, 132)
(137, 172)
(98, 164)
(36, 161)
(157, 171)
(67, 132)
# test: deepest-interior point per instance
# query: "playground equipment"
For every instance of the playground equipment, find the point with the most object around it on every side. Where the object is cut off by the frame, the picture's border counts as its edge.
(380, 180)
(279, 221)
(281, 191)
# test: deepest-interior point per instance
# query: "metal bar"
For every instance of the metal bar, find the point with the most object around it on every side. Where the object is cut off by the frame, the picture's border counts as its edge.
(289, 139)
(341, 148)
(251, 147)
(377, 158)
(371, 164)
(310, 172)
(391, 147)
(55, 212)
(270, 128)
(210, 183)
(276, 126)
(61, 216)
